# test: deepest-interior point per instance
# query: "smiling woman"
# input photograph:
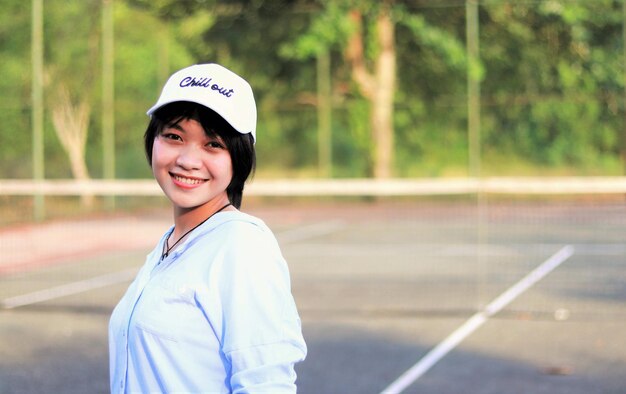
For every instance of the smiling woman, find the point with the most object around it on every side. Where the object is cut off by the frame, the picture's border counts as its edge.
(192, 167)
(211, 310)
(177, 122)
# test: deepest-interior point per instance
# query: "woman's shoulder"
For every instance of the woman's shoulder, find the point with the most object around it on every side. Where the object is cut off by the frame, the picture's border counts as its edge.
(245, 239)
(243, 223)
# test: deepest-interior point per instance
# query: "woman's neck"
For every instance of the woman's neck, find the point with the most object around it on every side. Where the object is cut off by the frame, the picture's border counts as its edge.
(187, 218)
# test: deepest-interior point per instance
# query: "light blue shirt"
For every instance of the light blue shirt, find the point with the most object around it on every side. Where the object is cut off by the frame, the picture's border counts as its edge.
(215, 316)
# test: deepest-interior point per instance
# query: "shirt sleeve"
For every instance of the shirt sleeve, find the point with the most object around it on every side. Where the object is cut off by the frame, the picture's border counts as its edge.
(261, 330)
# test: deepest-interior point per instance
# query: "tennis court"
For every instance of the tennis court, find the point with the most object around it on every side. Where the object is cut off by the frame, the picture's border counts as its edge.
(415, 295)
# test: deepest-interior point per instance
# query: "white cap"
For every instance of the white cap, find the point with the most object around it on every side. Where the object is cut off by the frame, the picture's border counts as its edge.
(217, 88)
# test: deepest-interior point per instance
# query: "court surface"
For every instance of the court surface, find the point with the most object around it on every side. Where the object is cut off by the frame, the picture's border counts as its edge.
(415, 295)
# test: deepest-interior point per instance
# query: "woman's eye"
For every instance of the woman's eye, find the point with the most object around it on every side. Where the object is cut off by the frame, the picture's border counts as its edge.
(171, 136)
(215, 145)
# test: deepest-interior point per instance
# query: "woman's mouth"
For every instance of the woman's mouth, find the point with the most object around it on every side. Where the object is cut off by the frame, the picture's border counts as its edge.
(183, 181)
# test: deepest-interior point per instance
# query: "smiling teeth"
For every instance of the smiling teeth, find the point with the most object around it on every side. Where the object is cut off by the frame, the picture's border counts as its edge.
(188, 181)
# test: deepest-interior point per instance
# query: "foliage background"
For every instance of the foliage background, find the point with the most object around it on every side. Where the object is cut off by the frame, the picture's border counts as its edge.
(552, 81)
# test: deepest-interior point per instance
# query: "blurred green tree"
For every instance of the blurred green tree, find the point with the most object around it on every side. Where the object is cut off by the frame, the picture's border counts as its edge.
(555, 84)
(552, 75)
(365, 33)
(15, 129)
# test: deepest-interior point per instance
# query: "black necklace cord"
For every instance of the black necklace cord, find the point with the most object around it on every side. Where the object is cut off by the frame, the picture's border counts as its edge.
(167, 250)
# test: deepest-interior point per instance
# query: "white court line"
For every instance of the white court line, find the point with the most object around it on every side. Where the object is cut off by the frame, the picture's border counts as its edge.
(294, 235)
(69, 289)
(474, 322)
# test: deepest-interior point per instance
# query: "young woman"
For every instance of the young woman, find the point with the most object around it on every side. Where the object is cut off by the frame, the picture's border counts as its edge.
(211, 310)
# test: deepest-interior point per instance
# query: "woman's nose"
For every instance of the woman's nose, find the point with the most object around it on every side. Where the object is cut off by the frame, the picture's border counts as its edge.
(189, 158)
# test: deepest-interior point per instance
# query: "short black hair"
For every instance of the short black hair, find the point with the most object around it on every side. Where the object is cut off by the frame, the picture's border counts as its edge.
(240, 146)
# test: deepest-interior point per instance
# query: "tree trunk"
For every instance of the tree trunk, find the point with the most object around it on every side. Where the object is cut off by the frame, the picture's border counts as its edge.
(382, 102)
(377, 87)
(71, 123)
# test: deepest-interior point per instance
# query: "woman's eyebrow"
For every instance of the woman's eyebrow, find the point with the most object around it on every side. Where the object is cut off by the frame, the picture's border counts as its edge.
(176, 126)
(216, 137)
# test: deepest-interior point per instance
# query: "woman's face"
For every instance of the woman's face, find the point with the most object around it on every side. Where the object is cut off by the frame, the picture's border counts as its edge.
(192, 168)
